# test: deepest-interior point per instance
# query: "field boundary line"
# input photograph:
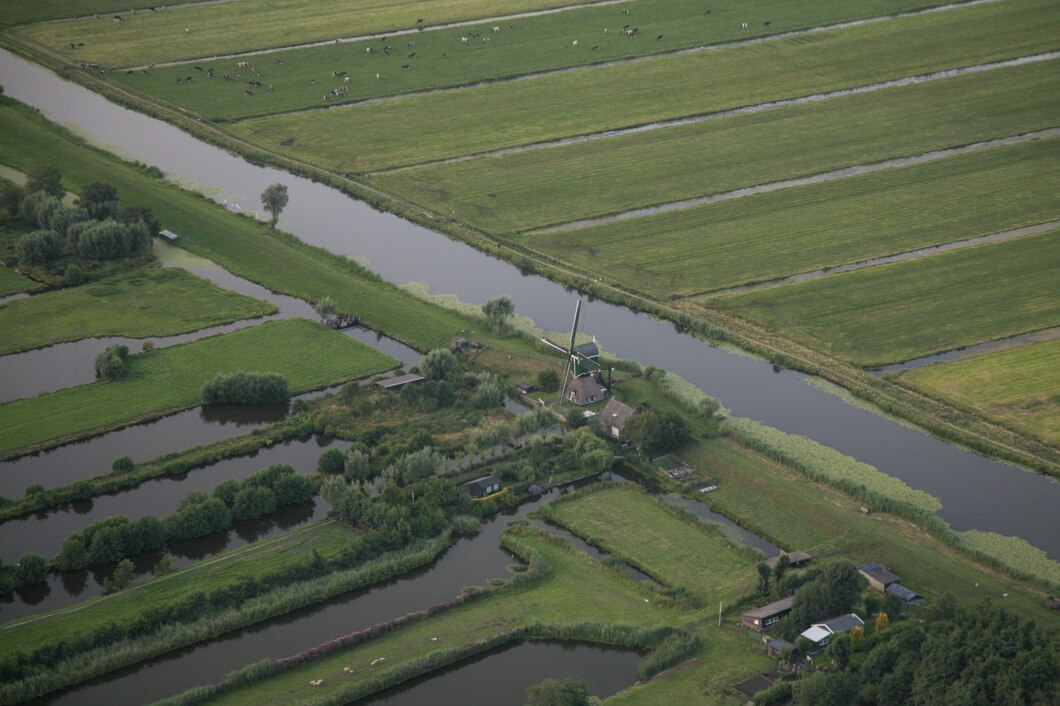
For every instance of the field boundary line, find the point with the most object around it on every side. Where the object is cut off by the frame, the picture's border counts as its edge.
(197, 565)
(731, 112)
(818, 178)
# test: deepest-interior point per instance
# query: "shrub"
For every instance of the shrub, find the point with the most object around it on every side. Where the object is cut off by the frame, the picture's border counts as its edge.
(331, 462)
(548, 380)
(122, 465)
(110, 364)
(32, 568)
(246, 388)
(438, 364)
(38, 248)
(74, 276)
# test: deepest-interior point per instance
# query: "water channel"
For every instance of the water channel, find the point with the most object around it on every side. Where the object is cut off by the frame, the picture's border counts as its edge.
(976, 492)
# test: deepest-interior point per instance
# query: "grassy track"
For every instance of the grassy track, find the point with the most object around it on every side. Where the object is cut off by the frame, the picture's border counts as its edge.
(12, 282)
(242, 245)
(534, 189)
(632, 525)
(252, 561)
(908, 309)
(169, 379)
(439, 59)
(158, 302)
(245, 25)
(421, 128)
(771, 235)
(1019, 385)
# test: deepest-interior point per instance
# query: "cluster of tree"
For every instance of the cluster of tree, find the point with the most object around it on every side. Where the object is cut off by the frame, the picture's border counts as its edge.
(656, 432)
(957, 655)
(31, 568)
(263, 492)
(584, 451)
(111, 363)
(498, 311)
(246, 388)
(95, 229)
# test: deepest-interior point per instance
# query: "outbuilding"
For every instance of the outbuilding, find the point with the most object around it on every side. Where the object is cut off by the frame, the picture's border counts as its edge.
(482, 487)
(779, 648)
(820, 633)
(878, 575)
(795, 559)
(169, 235)
(615, 416)
(761, 618)
(399, 381)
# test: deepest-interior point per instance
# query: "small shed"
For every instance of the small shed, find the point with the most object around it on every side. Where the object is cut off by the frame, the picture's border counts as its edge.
(906, 594)
(399, 381)
(820, 633)
(525, 387)
(169, 235)
(795, 559)
(761, 618)
(778, 648)
(817, 635)
(481, 487)
(878, 575)
(615, 416)
(585, 390)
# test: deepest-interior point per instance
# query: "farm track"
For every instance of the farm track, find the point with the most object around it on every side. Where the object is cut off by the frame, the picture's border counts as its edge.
(897, 257)
(742, 110)
(819, 178)
(560, 71)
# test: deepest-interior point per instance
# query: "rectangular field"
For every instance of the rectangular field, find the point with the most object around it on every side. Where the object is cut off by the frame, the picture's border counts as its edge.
(167, 380)
(22, 11)
(905, 310)
(534, 189)
(157, 302)
(771, 235)
(1020, 386)
(421, 128)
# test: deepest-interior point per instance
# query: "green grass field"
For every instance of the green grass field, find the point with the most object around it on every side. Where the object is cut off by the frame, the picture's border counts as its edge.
(1019, 385)
(676, 552)
(252, 561)
(439, 59)
(421, 128)
(241, 245)
(167, 380)
(548, 186)
(909, 309)
(12, 282)
(771, 235)
(23, 11)
(156, 302)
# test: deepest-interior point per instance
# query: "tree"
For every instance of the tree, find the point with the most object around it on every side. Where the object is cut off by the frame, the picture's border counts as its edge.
(548, 380)
(882, 622)
(110, 364)
(855, 637)
(358, 465)
(100, 199)
(133, 214)
(834, 689)
(11, 195)
(37, 248)
(331, 462)
(122, 465)
(839, 649)
(32, 568)
(657, 432)
(438, 364)
(251, 503)
(45, 178)
(123, 574)
(274, 199)
(163, 567)
(73, 555)
(892, 606)
(557, 692)
(498, 310)
(764, 573)
(325, 308)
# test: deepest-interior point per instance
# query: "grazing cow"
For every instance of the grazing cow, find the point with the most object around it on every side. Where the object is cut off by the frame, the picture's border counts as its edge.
(198, 68)
(406, 66)
(496, 29)
(412, 55)
(412, 43)
(595, 47)
(367, 50)
(345, 79)
(187, 30)
(574, 44)
(743, 25)
(767, 23)
(118, 19)
(419, 21)
(247, 93)
(377, 77)
(464, 40)
(658, 38)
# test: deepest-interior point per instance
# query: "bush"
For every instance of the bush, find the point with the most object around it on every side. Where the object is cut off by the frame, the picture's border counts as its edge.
(74, 276)
(657, 432)
(251, 503)
(331, 462)
(38, 209)
(110, 364)
(38, 248)
(438, 364)
(122, 465)
(548, 380)
(45, 178)
(246, 388)
(32, 568)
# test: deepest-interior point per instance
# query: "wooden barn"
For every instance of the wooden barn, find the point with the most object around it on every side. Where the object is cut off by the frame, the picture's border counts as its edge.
(761, 618)
(878, 575)
(482, 487)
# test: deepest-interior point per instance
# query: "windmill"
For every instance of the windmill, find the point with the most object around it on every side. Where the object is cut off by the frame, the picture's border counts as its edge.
(582, 360)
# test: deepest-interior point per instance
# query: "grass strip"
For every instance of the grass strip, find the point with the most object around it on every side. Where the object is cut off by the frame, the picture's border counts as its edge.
(784, 232)
(155, 302)
(905, 310)
(1019, 386)
(534, 189)
(167, 380)
(24, 11)
(422, 128)
(12, 282)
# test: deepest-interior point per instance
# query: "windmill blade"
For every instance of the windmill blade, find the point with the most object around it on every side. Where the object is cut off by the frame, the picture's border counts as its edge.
(570, 351)
(558, 347)
(574, 329)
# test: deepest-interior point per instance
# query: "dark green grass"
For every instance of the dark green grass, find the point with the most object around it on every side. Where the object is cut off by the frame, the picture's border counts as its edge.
(421, 128)
(529, 45)
(158, 302)
(772, 235)
(168, 380)
(12, 282)
(23, 11)
(549, 186)
(909, 309)
(240, 244)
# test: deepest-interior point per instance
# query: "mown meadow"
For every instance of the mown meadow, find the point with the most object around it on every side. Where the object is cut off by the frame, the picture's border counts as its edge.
(11, 282)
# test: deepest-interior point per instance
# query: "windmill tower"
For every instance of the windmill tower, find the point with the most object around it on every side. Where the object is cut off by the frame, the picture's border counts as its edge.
(582, 361)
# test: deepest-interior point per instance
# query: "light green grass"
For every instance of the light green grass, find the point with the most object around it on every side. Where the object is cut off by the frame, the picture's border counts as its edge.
(548, 186)
(241, 245)
(167, 380)
(1020, 385)
(157, 302)
(529, 46)
(676, 552)
(250, 562)
(421, 128)
(909, 309)
(22, 11)
(772, 235)
(244, 25)
(12, 282)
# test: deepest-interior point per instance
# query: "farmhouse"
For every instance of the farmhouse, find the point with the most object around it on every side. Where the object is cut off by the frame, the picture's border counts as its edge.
(481, 487)
(615, 415)
(761, 618)
(585, 390)
(795, 559)
(878, 575)
(819, 633)
(399, 381)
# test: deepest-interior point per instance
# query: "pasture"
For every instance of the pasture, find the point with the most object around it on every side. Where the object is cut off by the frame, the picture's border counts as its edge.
(156, 302)
(168, 380)
(421, 128)
(772, 235)
(542, 187)
(905, 310)
(1019, 385)
(11, 282)
(252, 561)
